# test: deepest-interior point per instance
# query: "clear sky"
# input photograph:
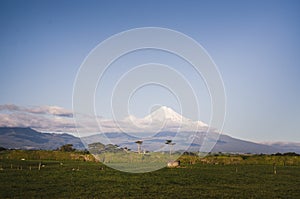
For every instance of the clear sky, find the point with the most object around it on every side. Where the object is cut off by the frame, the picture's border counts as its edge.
(255, 45)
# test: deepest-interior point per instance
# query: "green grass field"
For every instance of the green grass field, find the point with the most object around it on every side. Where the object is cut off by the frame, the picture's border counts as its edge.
(82, 179)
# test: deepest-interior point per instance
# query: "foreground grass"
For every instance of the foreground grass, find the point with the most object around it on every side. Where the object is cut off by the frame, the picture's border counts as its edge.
(78, 179)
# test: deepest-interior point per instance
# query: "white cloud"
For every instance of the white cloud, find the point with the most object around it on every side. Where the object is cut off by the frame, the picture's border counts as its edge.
(52, 110)
(43, 118)
(58, 119)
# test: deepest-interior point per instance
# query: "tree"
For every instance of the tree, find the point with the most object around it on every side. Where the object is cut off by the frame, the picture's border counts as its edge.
(139, 143)
(169, 142)
(67, 148)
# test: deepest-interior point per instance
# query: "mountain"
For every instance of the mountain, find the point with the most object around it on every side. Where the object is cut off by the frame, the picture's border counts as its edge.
(285, 146)
(167, 114)
(161, 125)
(166, 124)
(162, 119)
(27, 138)
(224, 143)
(229, 144)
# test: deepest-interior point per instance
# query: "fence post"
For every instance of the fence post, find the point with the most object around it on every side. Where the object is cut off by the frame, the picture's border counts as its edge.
(274, 168)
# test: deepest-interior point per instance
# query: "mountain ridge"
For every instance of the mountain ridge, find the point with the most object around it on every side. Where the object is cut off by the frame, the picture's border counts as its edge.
(28, 138)
(154, 129)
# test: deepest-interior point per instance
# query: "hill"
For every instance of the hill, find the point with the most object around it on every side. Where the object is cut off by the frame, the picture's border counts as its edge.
(224, 143)
(27, 138)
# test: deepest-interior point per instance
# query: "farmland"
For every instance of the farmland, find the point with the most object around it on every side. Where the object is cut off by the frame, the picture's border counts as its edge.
(49, 174)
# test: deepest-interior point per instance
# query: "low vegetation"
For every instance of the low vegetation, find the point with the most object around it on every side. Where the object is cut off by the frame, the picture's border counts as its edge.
(60, 174)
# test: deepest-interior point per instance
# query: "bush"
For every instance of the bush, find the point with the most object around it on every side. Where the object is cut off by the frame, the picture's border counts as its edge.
(2, 148)
(67, 148)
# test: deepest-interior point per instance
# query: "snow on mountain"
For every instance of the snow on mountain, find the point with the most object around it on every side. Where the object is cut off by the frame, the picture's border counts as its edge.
(165, 113)
(163, 118)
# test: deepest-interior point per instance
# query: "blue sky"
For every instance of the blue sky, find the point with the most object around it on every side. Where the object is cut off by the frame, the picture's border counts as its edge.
(255, 45)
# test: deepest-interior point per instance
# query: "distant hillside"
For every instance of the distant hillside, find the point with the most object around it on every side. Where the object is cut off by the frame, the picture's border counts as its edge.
(230, 144)
(285, 146)
(27, 138)
(225, 143)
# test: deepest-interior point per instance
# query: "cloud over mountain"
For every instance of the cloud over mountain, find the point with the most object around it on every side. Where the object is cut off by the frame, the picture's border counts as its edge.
(52, 110)
(58, 119)
(43, 118)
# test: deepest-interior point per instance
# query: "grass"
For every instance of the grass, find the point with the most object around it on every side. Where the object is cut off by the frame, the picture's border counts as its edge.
(78, 179)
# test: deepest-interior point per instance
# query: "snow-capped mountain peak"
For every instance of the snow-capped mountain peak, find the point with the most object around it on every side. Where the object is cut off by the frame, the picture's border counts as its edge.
(163, 118)
(164, 113)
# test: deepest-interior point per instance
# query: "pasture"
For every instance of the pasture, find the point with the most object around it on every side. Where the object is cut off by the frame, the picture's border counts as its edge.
(66, 178)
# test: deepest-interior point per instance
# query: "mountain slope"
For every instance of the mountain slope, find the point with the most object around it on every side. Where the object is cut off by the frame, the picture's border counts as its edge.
(170, 125)
(161, 125)
(27, 138)
(285, 146)
(229, 144)
(224, 143)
